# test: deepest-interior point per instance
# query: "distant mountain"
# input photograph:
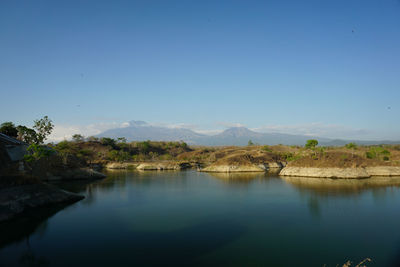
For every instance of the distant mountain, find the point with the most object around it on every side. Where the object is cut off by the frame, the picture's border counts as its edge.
(241, 136)
(141, 131)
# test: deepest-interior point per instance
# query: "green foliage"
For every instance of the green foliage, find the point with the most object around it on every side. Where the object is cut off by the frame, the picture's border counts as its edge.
(370, 154)
(266, 148)
(26, 134)
(378, 152)
(118, 155)
(250, 143)
(85, 154)
(184, 145)
(144, 147)
(78, 138)
(166, 157)
(107, 141)
(121, 140)
(8, 128)
(37, 152)
(43, 127)
(153, 155)
(321, 150)
(92, 139)
(63, 146)
(351, 146)
(311, 144)
(288, 156)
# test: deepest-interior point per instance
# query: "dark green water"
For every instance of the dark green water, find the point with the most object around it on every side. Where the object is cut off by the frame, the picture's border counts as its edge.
(191, 218)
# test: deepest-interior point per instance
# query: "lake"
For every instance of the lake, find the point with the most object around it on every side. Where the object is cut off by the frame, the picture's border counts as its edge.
(191, 218)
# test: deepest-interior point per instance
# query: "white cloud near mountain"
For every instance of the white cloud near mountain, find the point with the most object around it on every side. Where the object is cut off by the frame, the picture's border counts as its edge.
(319, 130)
(63, 131)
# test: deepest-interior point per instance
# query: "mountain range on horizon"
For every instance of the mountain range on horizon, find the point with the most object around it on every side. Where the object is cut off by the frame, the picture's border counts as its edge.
(142, 131)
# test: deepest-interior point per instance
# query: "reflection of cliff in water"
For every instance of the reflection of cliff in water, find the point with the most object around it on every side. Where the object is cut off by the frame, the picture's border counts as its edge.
(241, 178)
(21, 228)
(343, 187)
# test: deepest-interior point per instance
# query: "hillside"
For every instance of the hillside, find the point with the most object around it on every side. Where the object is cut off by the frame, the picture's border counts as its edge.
(235, 136)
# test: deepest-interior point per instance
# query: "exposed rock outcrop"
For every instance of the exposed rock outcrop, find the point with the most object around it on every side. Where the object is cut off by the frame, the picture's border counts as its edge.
(121, 165)
(261, 167)
(383, 171)
(346, 173)
(235, 168)
(158, 166)
(18, 199)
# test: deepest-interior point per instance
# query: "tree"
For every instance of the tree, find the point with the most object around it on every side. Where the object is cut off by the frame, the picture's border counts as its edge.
(351, 146)
(35, 153)
(121, 140)
(106, 141)
(311, 144)
(144, 147)
(250, 143)
(43, 127)
(77, 137)
(92, 139)
(26, 134)
(8, 128)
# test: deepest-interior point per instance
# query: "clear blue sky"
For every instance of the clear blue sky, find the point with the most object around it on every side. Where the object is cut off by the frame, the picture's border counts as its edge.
(203, 62)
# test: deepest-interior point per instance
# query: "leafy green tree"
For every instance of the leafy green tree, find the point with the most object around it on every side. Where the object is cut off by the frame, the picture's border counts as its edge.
(121, 140)
(108, 141)
(85, 154)
(311, 144)
(250, 143)
(43, 127)
(144, 147)
(78, 138)
(35, 152)
(184, 145)
(8, 128)
(351, 146)
(26, 134)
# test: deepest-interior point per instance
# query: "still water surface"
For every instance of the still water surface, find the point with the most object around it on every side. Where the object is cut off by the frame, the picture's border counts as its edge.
(191, 218)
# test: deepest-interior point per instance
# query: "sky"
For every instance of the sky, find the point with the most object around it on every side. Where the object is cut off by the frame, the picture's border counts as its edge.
(330, 68)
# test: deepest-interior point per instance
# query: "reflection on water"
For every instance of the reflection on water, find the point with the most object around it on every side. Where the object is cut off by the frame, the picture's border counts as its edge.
(237, 178)
(212, 219)
(326, 186)
(21, 228)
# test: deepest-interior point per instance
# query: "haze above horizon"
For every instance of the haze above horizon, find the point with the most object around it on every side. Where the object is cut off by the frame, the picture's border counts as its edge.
(324, 68)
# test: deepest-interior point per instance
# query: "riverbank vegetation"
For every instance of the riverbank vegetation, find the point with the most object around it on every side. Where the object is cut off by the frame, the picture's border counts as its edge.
(94, 150)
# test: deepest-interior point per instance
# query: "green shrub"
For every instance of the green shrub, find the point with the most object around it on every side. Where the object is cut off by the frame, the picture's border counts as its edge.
(288, 156)
(311, 144)
(266, 148)
(377, 152)
(107, 141)
(370, 154)
(118, 155)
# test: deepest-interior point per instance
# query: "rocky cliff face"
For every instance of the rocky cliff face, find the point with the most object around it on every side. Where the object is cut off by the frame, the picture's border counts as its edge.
(16, 200)
(345, 173)
(150, 166)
